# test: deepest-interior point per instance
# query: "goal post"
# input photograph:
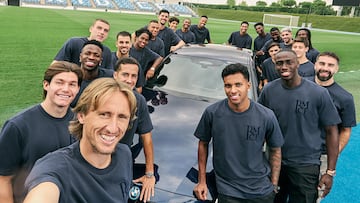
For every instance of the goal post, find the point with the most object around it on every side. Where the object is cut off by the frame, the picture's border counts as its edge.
(285, 20)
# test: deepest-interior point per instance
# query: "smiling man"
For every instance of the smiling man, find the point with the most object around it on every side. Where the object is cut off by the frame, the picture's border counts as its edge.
(96, 168)
(126, 70)
(90, 59)
(71, 49)
(237, 125)
(38, 130)
(303, 110)
(326, 66)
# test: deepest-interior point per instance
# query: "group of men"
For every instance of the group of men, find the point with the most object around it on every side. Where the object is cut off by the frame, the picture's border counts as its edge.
(302, 115)
(297, 119)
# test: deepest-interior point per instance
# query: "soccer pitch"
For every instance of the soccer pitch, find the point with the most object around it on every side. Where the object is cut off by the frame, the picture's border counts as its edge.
(30, 38)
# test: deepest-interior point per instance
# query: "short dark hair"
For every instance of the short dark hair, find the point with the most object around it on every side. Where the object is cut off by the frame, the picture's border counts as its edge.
(244, 22)
(204, 16)
(164, 11)
(94, 42)
(287, 50)
(124, 34)
(330, 54)
(274, 29)
(273, 44)
(259, 23)
(125, 60)
(141, 31)
(174, 19)
(302, 40)
(235, 68)
(58, 67)
(153, 21)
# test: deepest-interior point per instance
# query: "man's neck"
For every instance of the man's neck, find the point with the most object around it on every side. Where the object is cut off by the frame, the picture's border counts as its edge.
(292, 83)
(184, 29)
(54, 110)
(303, 60)
(94, 158)
(90, 74)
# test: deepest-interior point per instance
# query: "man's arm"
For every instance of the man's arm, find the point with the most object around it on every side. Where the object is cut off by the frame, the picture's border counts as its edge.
(6, 192)
(201, 188)
(151, 71)
(178, 46)
(332, 146)
(46, 192)
(275, 164)
(344, 137)
(148, 183)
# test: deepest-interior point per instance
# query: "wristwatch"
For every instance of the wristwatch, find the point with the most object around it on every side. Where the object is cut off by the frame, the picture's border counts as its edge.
(149, 174)
(276, 189)
(331, 173)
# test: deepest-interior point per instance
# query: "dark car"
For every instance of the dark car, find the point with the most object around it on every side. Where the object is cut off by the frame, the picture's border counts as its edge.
(188, 82)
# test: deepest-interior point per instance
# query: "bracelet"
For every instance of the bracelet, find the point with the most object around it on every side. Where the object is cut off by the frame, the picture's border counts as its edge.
(331, 173)
(149, 174)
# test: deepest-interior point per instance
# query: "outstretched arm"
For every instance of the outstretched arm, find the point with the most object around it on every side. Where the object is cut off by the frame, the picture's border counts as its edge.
(148, 181)
(201, 188)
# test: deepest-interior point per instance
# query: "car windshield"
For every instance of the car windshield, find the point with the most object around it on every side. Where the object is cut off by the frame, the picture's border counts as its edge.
(195, 75)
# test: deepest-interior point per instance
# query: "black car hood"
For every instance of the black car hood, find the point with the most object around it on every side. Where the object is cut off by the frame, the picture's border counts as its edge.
(175, 146)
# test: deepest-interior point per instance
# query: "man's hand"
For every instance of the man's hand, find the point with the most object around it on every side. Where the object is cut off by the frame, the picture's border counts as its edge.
(148, 187)
(201, 191)
(325, 184)
(150, 73)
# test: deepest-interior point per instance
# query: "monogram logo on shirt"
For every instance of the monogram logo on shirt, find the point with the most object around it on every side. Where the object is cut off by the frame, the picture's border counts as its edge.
(301, 106)
(252, 132)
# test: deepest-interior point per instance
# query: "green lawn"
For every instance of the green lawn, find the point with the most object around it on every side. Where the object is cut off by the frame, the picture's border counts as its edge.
(30, 38)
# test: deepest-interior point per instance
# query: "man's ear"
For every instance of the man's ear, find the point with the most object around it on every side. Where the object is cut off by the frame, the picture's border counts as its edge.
(81, 117)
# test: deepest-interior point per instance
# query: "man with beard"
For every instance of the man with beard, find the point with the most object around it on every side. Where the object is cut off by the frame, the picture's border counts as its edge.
(241, 39)
(155, 43)
(286, 36)
(96, 168)
(303, 110)
(326, 66)
(90, 58)
(147, 59)
(123, 45)
(275, 37)
(38, 130)
(171, 41)
(200, 31)
(71, 49)
(184, 33)
(126, 70)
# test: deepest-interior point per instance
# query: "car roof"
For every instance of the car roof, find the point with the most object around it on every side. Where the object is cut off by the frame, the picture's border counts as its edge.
(229, 53)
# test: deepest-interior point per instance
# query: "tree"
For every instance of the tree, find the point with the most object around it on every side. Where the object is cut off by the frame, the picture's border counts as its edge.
(261, 3)
(231, 3)
(274, 4)
(289, 3)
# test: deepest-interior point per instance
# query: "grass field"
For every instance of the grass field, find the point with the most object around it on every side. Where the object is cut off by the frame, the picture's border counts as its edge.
(30, 38)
